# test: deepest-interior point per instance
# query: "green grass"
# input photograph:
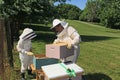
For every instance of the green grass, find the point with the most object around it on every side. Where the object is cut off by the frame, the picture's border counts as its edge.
(99, 55)
(100, 49)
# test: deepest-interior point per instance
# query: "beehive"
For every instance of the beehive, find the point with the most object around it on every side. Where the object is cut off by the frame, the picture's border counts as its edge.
(41, 60)
(58, 72)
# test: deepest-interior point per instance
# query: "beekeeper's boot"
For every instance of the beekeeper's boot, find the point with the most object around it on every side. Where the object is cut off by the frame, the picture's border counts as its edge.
(22, 76)
(29, 72)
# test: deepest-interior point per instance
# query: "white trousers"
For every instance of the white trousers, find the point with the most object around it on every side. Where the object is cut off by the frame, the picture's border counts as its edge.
(76, 53)
(25, 63)
(74, 57)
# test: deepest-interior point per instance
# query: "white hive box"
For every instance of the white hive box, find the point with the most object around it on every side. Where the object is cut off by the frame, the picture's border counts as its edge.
(57, 72)
(59, 51)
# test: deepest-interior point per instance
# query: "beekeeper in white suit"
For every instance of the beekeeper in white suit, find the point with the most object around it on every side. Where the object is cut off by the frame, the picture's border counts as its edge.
(68, 35)
(24, 49)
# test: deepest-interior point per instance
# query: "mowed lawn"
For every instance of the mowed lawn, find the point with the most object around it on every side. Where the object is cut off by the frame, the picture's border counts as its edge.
(100, 49)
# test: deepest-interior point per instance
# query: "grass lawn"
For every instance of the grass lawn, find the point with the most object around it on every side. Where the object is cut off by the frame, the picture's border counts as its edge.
(99, 55)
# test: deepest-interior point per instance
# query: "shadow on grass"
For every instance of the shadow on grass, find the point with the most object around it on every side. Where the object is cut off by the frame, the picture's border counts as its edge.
(86, 38)
(45, 37)
(49, 37)
(28, 77)
(36, 27)
(44, 34)
(96, 76)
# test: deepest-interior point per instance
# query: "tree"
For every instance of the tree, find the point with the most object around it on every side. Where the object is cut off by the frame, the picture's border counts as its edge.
(110, 15)
(91, 11)
(19, 11)
(68, 11)
(103, 11)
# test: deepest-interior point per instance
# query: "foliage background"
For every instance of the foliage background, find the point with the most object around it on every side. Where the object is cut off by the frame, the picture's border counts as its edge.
(99, 49)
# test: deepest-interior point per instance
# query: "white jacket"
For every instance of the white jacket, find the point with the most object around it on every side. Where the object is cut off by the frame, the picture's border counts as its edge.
(24, 43)
(69, 34)
(23, 47)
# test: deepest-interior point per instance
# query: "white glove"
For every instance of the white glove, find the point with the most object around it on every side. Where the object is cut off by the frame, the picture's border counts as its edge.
(56, 42)
(29, 53)
(69, 45)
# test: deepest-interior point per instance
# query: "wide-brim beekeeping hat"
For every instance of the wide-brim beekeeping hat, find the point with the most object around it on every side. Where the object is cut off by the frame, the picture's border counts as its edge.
(28, 34)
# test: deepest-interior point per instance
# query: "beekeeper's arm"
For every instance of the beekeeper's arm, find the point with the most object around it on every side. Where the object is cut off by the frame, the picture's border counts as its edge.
(21, 49)
(75, 40)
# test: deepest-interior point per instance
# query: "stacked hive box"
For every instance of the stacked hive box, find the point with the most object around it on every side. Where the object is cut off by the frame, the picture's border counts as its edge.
(59, 51)
(41, 60)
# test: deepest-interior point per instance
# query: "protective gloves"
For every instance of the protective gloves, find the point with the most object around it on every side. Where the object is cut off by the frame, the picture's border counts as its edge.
(55, 42)
(69, 45)
(29, 53)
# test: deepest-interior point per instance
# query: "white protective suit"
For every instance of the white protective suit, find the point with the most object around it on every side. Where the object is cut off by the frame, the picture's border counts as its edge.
(69, 34)
(24, 46)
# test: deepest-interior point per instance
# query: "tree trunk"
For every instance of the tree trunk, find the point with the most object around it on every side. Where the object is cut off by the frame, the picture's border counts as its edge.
(9, 42)
(1, 50)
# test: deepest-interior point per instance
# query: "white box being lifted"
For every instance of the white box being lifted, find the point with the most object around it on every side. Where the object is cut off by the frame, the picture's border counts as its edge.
(58, 72)
(59, 51)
